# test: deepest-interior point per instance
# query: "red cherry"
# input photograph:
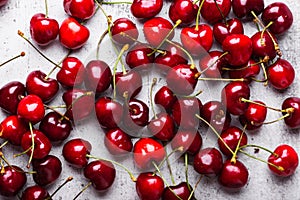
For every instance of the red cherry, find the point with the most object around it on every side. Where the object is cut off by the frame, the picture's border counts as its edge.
(35, 192)
(75, 151)
(233, 175)
(43, 30)
(118, 142)
(181, 190)
(81, 9)
(281, 74)
(243, 8)
(130, 82)
(221, 30)
(286, 157)
(146, 8)
(239, 48)
(248, 71)
(211, 13)
(163, 62)
(72, 34)
(31, 108)
(46, 89)
(254, 116)
(162, 127)
(124, 25)
(138, 57)
(12, 180)
(293, 120)
(165, 98)
(212, 64)
(208, 161)
(191, 141)
(101, 173)
(149, 186)
(263, 45)
(146, 151)
(184, 10)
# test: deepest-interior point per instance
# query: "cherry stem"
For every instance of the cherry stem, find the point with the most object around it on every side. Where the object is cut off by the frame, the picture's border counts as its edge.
(194, 189)
(70, 178)
(222, 14)
(215, 131)
(194, 95)
(4, 143)
(32, 145)
(196, 1)
(221, 79)
(99, 42)
(234, 156)
(198, 15)
(170, 171)
(85, 188)
(167, 157)
(276, 120)
(2, 171)
(120, 2)
(186, 163)
(154, 81)
(258, 147)
(53, 109)
(208, 67)
(4, 159)
(22, 54)
(116, 163)
(46, 9)
(58, 65)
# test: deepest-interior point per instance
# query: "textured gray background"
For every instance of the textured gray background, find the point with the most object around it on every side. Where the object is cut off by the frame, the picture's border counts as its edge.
(262, 184)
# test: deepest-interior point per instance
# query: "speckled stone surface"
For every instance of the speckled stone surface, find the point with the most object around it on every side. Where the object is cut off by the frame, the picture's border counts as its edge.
(261, 185)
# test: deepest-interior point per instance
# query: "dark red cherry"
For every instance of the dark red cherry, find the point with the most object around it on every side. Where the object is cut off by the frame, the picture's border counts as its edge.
(146, 151)
(190, 140)
(208, 161)
(149, 186)
(124, 25)
(212, 64)
(118, 142)
(255, 115)
(47, 170)
(3, 2)
(162, 127)
(35, 192)
(211, 13)
(176, 49)
(221, 30)
(10, 96)
(163, 62)
(81, 9)
(243, 8)
(38, 84)
(281, 74)
(286, 157)
(130, 82)
(181, 190)
(165, 98)
(232, 94)
(12, 180)
(247, 71)
(138, 57)
(43, 30)
(101, 173)
(263, 45)
(280, 15)
(293, 120)
(184, 10)
(233, 175)
(146, 9)
(75, 151)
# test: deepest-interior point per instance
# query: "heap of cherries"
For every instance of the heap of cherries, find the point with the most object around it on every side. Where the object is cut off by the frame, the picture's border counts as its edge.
(114, 96)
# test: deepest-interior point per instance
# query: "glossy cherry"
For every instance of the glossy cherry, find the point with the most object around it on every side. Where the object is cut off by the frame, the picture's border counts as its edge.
(130, 82)
(165, 98)
(263, 45)
(35, 192)
(254, 116)
(221, 30)
(124, 25)
(183, 10)
(146, 9)
(138, 57)
(211, 13)
(163, 62)
(243, 8)
(293, 120)
(162, 127)
(149, 186)
(190, 140)
(118, 142)
(212, 64)
(180, 190)
(80, 9)
(247, 72)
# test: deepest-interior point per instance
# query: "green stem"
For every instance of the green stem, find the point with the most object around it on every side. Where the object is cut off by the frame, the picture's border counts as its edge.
(99, 42)
(175, 150)
(4, 143)
(46, 9)
(120, 2)
(85, 187)
(58, 64)
(257, 146)
(62, 185)
(234, 156)
(186, 163)
(222, 14)
(11, 59)
(196, 185)
(32, 145)
(208, 67)
(221, 79)
(170, 171)
(276, 120)
(198, 15)
(154, 81)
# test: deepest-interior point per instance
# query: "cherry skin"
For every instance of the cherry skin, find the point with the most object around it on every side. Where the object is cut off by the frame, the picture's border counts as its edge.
(243, 8)
(12, 180)
(80, 9)
(31, 109)
(12, 129)
(10, 96)
(208, 161)
(146, 9)
(124, 25)
(239, 48)
(165, 98)
(162, 127)
(98, 76)
(210, 11)
(72, 34)
(181, 190)
(286, 157)
(47, 170)
(281, 74)
(35, 192)
(149, 186)
(293, 120)
(130, 82)
(3, 2)
(146, 151)
(280, 15)
(55, 127)
(101, 173)
(137, 57)
(263, 45)
(43, 30)
(75, 151)
(183, 10)
(231, 97)
(163, 62)
(233, 175)
(190, 140)
(118, 142)
(247, 72)
(46, 89)
(221, 30)
(212, 64)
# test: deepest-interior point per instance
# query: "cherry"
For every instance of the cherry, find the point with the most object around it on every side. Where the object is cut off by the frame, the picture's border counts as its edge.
(176, 49)
(39, 84)
(281, 74)
(162, 126)
(165, 98)
(212, 64)
(43, 30)
(72, 34)
(181, 190)
(211, 10)
(31, 109)
(138, 57)
(233, 175)
(248, 71)
(124, 25)
(71, 73)
(35, 192)
(149, 186)
(221, 30)
(118, 142)
(190, 140)
(184, 10)
(280, 15)
(239, 48)
(81, 9)
(55, 127)
(208, 161)
(10, 96)
(12, 180)
(215, 113)
(263, 45)
(146, 9)
(130, 82)
(231, 97)
(47, 170)
(293, 120)
(243, 8)
(3, 2)
(146, 151)
(12, 129)
(75, 151)
(285, 157)
(164, 62)
(109, 112)
(101, 173)
(254, 116)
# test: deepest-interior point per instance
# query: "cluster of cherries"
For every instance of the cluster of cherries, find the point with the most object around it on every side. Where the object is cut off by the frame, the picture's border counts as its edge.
(125, 118)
